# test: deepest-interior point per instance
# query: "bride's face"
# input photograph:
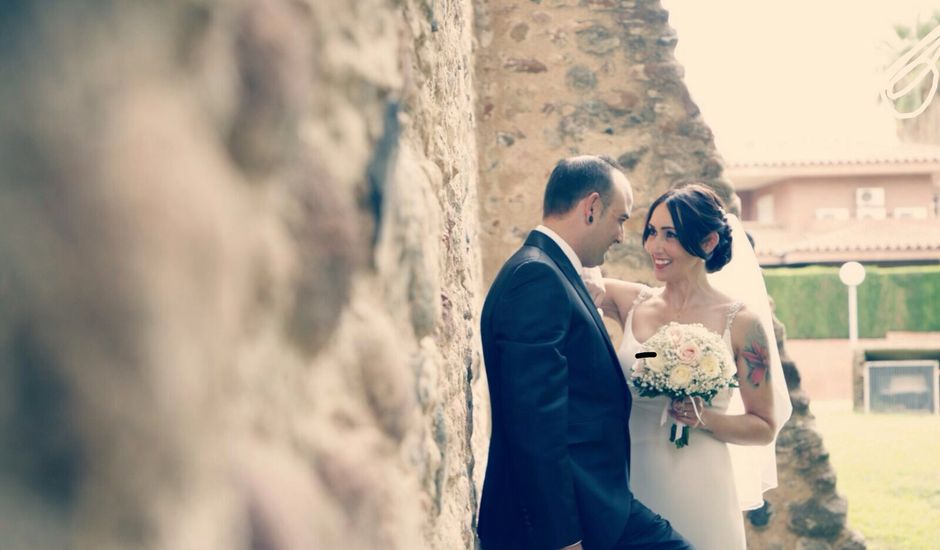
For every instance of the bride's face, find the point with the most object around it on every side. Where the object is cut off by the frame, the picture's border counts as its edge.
(670, 260)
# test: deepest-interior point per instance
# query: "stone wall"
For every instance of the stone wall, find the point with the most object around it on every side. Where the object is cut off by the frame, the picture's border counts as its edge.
(239, 279)
(805, 512)
(564, 77)
(240, 252)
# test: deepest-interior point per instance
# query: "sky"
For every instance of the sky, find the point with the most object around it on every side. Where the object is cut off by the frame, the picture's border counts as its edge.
(784, 73)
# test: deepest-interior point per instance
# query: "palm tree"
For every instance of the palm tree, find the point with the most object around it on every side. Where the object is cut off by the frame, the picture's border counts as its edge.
(922, 128)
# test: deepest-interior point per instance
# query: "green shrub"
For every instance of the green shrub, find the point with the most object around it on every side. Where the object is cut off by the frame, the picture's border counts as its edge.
(813, 303)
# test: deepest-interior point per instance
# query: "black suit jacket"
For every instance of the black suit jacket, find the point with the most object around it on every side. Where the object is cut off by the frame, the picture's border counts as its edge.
(558, 459)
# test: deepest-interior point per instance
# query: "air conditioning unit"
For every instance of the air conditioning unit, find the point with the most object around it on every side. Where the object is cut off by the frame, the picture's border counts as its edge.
(902, 386)
(910, 213)
(866, 197)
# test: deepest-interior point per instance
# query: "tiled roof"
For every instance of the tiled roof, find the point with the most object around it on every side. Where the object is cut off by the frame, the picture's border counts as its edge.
(829, 154)
(889, 236)
(878, 235)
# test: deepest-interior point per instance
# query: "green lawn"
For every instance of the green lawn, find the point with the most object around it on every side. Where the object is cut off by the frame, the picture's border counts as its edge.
(888, 467)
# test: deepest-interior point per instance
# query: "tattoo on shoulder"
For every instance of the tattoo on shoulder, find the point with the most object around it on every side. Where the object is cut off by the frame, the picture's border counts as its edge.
(756, 355)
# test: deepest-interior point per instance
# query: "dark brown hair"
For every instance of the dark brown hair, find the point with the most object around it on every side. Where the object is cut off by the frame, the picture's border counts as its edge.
(574, 179)
(696, 211)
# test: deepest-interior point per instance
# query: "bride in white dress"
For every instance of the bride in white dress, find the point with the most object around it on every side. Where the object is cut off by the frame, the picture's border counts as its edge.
(702, 488)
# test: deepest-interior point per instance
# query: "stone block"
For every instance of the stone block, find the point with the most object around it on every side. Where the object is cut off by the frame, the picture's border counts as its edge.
(581, 78)
(597, 40)
(812, 544)
(818, 517)
(524, 65)
(852, 540)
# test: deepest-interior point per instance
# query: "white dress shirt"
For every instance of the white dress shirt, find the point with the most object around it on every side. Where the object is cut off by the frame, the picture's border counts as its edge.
(565, 247)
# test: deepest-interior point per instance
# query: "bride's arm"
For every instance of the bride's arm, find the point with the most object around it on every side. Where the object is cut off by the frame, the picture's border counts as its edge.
(613, 296)
(756, 426)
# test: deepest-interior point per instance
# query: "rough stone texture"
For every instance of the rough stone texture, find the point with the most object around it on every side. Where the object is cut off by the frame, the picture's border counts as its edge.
(611, 85)
(812, 544)
(240, 268)
(239, 275)
(853, 540)
(819, 519)
(807, 512)
(594, 76)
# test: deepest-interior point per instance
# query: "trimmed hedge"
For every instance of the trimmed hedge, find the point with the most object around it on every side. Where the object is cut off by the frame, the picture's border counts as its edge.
(813, 303)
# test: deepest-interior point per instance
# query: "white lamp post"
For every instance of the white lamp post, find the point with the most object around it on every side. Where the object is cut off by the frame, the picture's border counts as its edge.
(852, 274)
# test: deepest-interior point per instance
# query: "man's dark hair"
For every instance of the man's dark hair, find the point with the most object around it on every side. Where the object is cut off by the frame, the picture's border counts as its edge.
(574, 179)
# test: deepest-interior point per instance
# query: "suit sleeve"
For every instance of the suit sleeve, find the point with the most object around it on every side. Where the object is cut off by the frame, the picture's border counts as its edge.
(532, 324)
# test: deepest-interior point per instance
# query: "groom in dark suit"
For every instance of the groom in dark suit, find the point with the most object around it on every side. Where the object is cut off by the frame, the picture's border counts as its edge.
(558, 469)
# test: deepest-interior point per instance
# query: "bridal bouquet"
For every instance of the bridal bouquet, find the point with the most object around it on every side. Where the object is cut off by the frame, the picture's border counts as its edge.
(683, 361)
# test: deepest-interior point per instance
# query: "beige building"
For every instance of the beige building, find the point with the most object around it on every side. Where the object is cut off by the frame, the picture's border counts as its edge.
(839, 203)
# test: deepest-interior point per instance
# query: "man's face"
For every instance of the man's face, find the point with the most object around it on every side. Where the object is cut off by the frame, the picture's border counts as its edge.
(607, 228)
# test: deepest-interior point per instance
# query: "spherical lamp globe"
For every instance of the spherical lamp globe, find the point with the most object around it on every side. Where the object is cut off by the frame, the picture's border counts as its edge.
(852, 273)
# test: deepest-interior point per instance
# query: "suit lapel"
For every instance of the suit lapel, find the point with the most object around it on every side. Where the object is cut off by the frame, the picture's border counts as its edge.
(544, 242)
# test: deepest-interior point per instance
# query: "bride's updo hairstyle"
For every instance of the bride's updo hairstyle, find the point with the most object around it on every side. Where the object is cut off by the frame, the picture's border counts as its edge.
(696, 211)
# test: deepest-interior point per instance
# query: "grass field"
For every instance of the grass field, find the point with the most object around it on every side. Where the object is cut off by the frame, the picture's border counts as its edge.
(888, 467)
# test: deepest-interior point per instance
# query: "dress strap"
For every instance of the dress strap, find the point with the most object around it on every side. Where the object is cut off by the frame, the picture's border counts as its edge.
(732, 311)
(644, 294)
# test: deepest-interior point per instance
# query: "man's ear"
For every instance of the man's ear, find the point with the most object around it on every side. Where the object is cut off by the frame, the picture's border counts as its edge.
(592, 207)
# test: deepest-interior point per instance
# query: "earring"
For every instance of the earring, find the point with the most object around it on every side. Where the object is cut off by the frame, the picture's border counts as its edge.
(591, 219)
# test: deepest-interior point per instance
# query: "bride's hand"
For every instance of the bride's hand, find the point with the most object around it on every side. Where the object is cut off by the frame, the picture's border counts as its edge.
(685, 412)
(594, 281)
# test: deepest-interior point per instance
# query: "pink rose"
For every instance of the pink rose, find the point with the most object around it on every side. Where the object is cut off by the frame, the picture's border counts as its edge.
(689, 353)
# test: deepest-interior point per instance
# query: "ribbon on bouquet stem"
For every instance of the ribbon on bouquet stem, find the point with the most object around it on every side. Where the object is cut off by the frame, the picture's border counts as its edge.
(698, 415)
(665, 415)
(677, 436)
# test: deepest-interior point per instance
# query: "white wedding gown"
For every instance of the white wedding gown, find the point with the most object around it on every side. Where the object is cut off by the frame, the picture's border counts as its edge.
(692, 487)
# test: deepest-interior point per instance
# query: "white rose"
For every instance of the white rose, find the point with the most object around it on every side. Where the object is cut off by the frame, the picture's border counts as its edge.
(730, 369)
(680, 376)
(689, 353)
(674, 333)
(655, 364)
(710, 366)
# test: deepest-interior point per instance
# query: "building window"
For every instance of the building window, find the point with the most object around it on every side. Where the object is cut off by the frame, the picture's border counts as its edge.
(765, 209)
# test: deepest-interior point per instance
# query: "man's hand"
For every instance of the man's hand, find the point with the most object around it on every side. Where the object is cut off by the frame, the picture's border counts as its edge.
(594, 281)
